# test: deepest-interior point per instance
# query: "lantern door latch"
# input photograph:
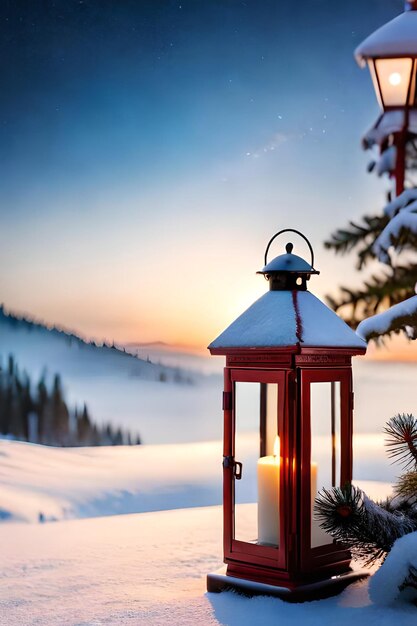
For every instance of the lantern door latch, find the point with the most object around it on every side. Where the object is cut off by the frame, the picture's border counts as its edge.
(228, 461)
(237, 470)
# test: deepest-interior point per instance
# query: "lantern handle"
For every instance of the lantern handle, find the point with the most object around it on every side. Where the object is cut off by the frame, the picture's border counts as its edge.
(291, 230)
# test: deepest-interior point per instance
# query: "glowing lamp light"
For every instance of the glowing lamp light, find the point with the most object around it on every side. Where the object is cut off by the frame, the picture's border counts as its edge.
(394, 81)
(395, 78)
(391, 53)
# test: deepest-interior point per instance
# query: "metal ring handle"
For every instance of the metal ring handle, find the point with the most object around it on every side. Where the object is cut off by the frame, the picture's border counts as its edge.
(290, 230)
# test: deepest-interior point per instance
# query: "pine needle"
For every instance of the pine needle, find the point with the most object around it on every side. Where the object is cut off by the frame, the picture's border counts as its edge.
(401, 442)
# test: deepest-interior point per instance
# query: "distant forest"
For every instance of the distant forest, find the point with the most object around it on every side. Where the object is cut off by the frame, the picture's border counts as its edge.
(39, 414)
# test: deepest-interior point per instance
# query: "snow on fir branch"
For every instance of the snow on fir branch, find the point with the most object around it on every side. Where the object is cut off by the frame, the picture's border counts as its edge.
(395, 234)
(400, 202)
(400, 317)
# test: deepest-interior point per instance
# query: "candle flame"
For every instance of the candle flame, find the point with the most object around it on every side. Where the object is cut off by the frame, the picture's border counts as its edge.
(277, 446)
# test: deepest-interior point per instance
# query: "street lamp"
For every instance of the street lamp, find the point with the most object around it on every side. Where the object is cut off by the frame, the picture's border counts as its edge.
(391, 55)
(288, 407)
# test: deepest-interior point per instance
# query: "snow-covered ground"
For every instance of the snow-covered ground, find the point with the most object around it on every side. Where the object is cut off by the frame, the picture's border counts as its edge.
(149, 569)
(145, 568)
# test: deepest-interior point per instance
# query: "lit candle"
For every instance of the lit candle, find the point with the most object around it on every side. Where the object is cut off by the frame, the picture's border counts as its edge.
(268, 497)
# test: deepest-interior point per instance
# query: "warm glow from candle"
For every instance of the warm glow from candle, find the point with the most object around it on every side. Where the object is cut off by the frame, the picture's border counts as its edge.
(277, 446)
(395, 78)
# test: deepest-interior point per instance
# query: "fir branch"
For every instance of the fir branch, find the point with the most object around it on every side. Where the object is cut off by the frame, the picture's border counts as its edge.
(354, 235)
(402, 439)
(400, 504)
(340, 510)
(376, 295)
(353, 519)
(406, 486)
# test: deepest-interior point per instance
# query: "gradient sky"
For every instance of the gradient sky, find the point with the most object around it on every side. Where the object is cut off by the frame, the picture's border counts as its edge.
(149, 150)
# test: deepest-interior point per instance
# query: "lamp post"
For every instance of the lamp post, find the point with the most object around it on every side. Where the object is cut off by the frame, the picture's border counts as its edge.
(391, 55)
(288, 406)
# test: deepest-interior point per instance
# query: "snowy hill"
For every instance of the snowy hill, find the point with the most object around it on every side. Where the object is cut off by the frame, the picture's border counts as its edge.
(45, 483)
(177, 356)
(40, 347)
(157, 402)
(39, 482)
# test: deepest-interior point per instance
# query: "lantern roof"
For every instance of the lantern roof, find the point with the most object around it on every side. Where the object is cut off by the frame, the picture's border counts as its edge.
(288, 262)
(397, 38)
(288, 319)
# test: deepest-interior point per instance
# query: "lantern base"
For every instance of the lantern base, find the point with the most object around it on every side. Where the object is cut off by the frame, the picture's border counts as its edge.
(219, 581)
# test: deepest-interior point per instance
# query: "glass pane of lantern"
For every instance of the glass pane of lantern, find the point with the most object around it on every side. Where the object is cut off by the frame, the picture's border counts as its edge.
(375, 83)
(257, 492)
(413, 95)
(247, 403)
(325, 447)
(394, 80)
(271, 418)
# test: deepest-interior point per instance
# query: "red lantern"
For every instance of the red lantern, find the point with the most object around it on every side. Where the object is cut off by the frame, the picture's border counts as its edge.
(288, 406)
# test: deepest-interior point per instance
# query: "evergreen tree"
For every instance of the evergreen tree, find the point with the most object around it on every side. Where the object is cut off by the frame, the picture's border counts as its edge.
(47, 413)
(14, 392)
(118, 439)
(26, 406)
(107, 436)
(41, 407)
(95, 437)
(6, 406)
(390, 238)
(60, 415)
(84, 428)
(3, 403)
(11, 367)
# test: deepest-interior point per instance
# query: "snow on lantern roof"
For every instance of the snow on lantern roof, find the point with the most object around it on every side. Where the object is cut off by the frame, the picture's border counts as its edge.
(288, 262)
(287, 319)
(397, 38)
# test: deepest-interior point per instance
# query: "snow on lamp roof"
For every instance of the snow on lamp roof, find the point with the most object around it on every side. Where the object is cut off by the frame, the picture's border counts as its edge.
(388, 123)
(287, 319)
(397, 38)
